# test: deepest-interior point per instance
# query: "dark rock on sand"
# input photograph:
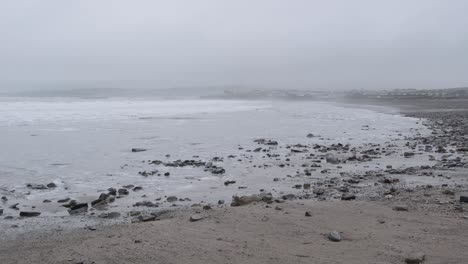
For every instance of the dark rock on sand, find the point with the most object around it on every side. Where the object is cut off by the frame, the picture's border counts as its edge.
(146, 203)
(1, 211)
(415, 258)
(80, 208)
(63, 200)
(171, 199)
(34, 186)
(401, 207)
(138, 149)
(220, 202)
(110, 215)
(334, 236)
(348, 196)
(112, 191)
(51, 185)
(308, 214)
(244, 200)
(14, 206)
(47, 201)
(122, 192)
(29, 214)
(464, 198)
(226, 183)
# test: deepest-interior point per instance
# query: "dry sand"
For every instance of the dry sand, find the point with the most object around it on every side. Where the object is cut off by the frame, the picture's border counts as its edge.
(372, 233)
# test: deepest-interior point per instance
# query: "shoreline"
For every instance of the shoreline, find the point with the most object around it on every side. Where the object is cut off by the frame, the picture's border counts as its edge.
(430, 190)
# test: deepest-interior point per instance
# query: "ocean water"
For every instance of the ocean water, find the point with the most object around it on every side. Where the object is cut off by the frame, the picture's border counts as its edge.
(84, 146)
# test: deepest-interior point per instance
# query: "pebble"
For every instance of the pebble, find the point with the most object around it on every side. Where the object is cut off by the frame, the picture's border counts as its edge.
(334, 236)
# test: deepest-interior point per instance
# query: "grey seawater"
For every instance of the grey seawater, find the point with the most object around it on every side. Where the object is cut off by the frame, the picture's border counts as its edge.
(84, 146)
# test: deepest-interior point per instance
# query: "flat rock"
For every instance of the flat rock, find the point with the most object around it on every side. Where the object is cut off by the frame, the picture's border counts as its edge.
(196, 217)
(29, 214)
(401, 207)
(110, 215)
(138, 149)
(34, 186)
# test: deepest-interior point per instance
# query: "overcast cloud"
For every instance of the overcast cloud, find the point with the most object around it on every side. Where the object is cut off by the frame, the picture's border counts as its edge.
(270, 43)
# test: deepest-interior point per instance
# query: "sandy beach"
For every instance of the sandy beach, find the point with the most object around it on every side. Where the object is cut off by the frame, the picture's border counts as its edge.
(399, 214)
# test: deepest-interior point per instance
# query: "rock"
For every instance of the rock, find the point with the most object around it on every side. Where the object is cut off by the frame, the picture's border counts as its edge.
(137, 188)
(408, 154)
(80, 208)
(306, 186)
(415, 258)
(146, 203)
(448, 192)
(63, 200)
(4, 199)
(36, 186)
(276, 179)
(51, 185)
(464, 198)
(401, 207)
(288, 196)
(334, 236)
(226, 183)
(319, 191)
(196, 217)
(332, 160)
(310, 135)
(14, 206)
(138, 149)
(29, 214)
(112, 191)
(348, 196)
(110, 215)
(207, 207)
(122, 192)
(220, 202)
(244, 200)
(47, 201)
(167, 174)
(308, 214)
(1, 211)
(172, 199)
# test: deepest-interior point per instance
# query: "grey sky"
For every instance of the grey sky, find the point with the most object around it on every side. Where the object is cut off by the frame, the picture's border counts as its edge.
(273, 43)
